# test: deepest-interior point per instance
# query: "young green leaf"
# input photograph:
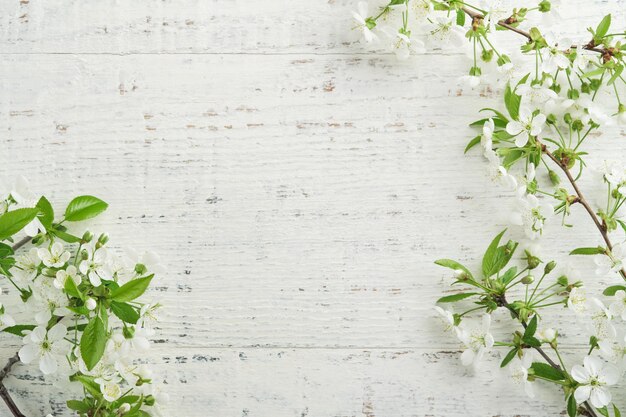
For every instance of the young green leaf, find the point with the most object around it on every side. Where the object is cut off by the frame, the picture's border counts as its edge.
(588, 251)
(616, 411)
(132, 289)
(572, 407)
(5, 250)
(14, 221)
(125, 312)
(64, 236)
(46, 212)
(472, 143)
(93, 342)
(79, 406)
(84, 207)
(496, 257)
(19, 329)
(455, 297)
(509, 275)
(610, 291)
(71, 288)
(531, 328)
(512, 102)
(508, 358)
(546, 371)
(449, 263)
(603, 27)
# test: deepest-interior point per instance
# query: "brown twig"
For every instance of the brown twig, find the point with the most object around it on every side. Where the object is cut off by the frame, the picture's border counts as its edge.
(583, 201)
(508, 25)
(588, 409)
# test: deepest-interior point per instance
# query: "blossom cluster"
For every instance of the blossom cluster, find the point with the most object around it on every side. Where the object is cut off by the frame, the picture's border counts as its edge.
(557, 95)
(82, 320)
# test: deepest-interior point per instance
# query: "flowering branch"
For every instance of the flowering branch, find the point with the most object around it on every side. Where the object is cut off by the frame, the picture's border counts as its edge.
(555, 104)
(85, 302)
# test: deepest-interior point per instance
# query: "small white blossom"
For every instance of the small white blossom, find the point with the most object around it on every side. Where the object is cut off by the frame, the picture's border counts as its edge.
(360, 17)
(578, 301)
(525, 125)
(532, 214)
(606, 264)
(45, 347)
(55, 257)
(477, 341)
(97, 267)
(594, 376)
(618, 307)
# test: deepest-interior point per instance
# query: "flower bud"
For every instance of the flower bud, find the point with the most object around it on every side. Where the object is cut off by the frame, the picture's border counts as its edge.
(149, 400)
(544, 6)
(141, 269)
(84, 255)
(87, 236)
(124, 408)
(129, 332)
(549, 267)
(554, 177)
(103, 239)
(91, 304)
(562, 281)
(533, 262)
(528, 279)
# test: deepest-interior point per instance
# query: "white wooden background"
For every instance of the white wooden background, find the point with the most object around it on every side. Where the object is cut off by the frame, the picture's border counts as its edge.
(298, 189)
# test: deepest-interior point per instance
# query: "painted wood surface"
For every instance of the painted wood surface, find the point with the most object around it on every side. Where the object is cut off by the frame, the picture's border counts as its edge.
(297, 187)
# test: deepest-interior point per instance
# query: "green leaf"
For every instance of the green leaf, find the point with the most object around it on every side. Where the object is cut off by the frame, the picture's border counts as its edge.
(531, 341)
(546, 371)
(84, 207)
(93, 342)
(511, 157)
(5, 250)
(616, 411)
(508, 358)
(71, 288)
(588, 251)
(472, 143)
(19, 329)
(79, 406)
(65, 236)
(46, 212)
(508, 276)
(496, 257)
(460, 17)
(531, 328)
(132, 289)
(449, 263)
(603, 27)
(617, 71)
(125, 312)
(593, 73)
(14, 221)
(604, 411)
(610, 291)
(512, 102)
(572, 407)
(455, 297)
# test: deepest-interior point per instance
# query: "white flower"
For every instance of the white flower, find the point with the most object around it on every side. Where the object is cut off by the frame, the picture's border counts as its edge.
(443, 31)
(594, 376)
(6, 320)
(26, 199)
(96, 268)
(577, 301)
(496, 11)
(486, 140)
(55, 257)
(537, 95)
(614, 173)
(110, 391)
(525, 123)
(613, 263)
(613, 351)
(601, 325)
(47, 300)
(477, 341)
(361, 17)
(26, 266)
(148, 316)
(46, 347)
(518, 367)
(582, 60)
(618, 307)
(553, 57)
(546, 335)
(421, 9)
(63, 274)
(447, 317)
(531, 213)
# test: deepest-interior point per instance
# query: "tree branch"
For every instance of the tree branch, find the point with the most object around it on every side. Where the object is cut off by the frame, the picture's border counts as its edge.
(583, 201)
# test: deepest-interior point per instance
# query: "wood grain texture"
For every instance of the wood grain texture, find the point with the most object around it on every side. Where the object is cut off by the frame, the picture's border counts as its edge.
(298, 189)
